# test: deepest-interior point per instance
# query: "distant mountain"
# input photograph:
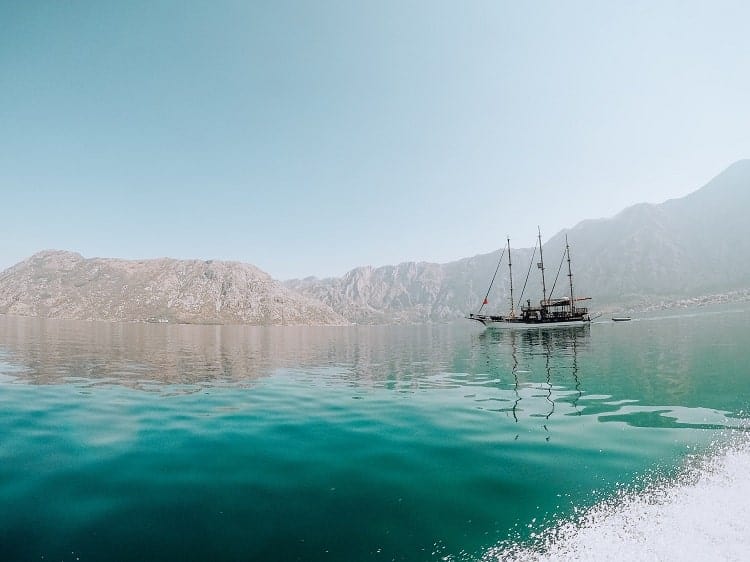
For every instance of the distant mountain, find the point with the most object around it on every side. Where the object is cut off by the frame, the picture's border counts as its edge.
(694, 245)
(59, 284)
(409, 292)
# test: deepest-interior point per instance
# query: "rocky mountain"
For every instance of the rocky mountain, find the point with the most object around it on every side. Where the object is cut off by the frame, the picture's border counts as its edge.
(410, 292)
(60, 284)
(694, 245)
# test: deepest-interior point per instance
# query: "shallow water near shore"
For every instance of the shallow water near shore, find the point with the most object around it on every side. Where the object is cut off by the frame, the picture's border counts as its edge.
(444, 442)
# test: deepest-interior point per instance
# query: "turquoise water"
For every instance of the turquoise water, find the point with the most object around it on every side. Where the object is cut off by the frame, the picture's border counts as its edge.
(135, 442)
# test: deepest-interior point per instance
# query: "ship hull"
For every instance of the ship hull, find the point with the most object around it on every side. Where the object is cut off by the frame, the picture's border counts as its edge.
(500, 323)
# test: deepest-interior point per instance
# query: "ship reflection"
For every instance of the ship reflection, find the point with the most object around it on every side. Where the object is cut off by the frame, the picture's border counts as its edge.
(539, 368)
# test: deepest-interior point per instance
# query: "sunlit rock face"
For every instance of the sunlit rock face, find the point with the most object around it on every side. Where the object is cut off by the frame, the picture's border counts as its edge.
(60, 284)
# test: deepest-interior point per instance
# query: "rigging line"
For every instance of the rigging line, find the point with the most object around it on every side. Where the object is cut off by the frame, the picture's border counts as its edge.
(527, 275)
(558, 275)
(493, 280)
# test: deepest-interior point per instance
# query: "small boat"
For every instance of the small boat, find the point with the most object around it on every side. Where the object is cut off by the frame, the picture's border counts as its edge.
(551, 312)
(621, 319)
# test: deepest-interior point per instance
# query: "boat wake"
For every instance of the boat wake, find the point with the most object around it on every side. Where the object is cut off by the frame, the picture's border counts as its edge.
(703, 514)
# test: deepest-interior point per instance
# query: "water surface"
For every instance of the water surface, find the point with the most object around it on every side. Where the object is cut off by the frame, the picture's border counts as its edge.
(131, 442)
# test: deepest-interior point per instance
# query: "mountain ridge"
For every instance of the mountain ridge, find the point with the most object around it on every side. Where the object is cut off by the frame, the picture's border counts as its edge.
(646, 251)
(684, 247)
(61, 284)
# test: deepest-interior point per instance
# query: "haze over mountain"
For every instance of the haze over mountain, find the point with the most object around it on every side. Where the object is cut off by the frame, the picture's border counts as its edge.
(689, 246)
(694, 245)
(60, 284)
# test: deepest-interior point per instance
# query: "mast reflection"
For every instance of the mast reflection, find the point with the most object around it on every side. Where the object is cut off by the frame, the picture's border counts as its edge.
(537, 359)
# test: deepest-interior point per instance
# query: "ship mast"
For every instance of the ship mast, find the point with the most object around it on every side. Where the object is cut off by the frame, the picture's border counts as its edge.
(510, 274)
(541, 266)
(570, 273)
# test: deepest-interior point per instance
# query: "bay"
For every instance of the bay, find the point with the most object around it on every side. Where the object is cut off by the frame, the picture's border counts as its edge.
(434, 442)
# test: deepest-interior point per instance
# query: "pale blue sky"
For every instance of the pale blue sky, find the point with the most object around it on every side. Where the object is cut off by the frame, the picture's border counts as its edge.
(312, 137)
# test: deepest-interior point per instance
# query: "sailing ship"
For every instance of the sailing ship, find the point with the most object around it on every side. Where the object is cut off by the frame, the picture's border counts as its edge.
(551, 312)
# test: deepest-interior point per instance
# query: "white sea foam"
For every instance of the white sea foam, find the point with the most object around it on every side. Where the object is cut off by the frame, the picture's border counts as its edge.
(702, 515)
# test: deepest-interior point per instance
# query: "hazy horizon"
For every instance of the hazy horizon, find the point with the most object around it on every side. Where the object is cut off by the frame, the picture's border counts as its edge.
(310, 139)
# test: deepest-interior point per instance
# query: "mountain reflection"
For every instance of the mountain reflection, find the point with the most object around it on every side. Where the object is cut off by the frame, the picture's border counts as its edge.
(403, 358)
(45, 351)
(538, 379)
